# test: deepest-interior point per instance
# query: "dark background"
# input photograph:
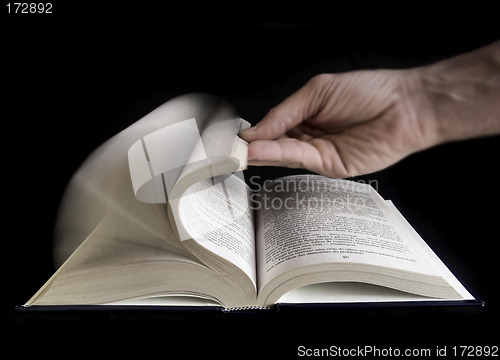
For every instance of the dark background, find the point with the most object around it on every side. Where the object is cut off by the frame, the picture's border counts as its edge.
(73, 79)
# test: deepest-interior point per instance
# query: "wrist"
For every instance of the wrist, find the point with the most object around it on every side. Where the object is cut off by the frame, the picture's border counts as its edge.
(462, 94)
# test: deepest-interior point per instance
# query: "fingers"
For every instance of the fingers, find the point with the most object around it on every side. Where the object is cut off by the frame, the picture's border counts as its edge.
(338, 125)
(305, 132)
(295, 109)
(287, 152)
(336, 156)
(275, 124)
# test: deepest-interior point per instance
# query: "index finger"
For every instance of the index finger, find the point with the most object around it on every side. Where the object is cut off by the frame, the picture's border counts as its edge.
(300, 106)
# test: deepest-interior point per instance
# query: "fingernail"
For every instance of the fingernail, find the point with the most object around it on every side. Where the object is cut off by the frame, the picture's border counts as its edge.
(251, 129)
(247, 132)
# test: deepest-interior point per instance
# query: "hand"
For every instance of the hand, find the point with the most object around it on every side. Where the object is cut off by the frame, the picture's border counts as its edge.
(343, 125)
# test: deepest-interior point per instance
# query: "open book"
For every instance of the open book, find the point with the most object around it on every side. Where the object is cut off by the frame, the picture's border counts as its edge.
(183, 228)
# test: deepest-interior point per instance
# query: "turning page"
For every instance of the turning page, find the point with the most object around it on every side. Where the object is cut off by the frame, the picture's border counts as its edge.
(216, 214)
(200, 146)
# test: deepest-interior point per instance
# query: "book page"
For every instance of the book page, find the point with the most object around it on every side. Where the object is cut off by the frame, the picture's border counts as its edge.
(216, 213)
(348, 292)
(307, 220)
(446, 273)
(159, 159)
(117, 242)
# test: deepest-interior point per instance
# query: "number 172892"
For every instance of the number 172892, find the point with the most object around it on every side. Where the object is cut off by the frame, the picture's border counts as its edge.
(29, 8)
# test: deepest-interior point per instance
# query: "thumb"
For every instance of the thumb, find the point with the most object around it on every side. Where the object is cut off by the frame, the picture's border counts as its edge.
(285, 116)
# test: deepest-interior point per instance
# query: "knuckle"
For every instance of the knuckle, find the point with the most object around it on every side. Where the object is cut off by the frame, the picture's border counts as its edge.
(320, 80)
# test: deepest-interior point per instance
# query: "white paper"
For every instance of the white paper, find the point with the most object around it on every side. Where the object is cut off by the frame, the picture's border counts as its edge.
(174, 146)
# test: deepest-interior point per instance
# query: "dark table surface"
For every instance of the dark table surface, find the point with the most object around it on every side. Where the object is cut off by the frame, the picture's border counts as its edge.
(70, 86)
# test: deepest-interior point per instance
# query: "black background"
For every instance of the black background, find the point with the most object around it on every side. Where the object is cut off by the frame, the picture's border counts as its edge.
(72, 79)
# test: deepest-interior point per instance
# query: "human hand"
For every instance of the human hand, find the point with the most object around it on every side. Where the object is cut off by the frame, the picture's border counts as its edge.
(343, 125)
